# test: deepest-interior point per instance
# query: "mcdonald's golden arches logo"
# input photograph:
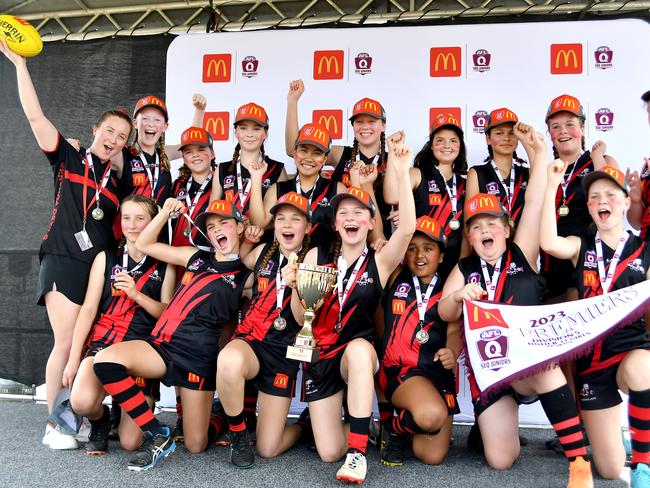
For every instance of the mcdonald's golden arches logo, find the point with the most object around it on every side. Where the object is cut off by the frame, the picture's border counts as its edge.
(451, 115)
(187, 277)
(590, 278)
(281, 381)
(434, 199)
(217, 68)
(193, 378)
(328, 65)
(139, 179)
(398, 306)
(445, 61)
(332, 120)
(217, 124)
(262, 284)
(566, 59)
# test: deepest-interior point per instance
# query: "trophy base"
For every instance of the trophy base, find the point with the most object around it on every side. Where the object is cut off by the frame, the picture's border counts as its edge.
(302, 353)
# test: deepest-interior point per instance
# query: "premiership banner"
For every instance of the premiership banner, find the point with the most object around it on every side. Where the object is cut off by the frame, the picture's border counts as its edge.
(508, 342)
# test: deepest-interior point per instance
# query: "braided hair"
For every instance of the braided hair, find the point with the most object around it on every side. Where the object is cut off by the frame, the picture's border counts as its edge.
(185, 173)
(160, 149)
(235, 156)
(275, 246)
(514, 156)
(383, 155)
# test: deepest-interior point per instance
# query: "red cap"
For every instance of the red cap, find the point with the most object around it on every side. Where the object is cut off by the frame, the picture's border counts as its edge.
(220, 208)
(368, 106)
(499, 117)
(607, 172)
(431, 228)
(253, 112)
(447, 121)
(483, 204)
(195, 135)
(151, 101)
(565, 103)
(295, 200)
(358, 194)
(315, 135)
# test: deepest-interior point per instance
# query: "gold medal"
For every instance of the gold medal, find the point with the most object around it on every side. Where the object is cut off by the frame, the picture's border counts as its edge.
(454, 224)
(564, 211)
(97, 213)
(279, 324)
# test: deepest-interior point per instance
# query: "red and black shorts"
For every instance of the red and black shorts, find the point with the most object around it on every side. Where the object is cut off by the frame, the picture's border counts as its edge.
(392, 377)
(178, 375)
(277, 374)
(482, 403)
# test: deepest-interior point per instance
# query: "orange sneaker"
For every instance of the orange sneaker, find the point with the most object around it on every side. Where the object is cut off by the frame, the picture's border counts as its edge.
(580, 474)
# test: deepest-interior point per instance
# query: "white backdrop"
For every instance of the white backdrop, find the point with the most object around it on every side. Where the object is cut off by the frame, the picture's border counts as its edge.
(520, 66)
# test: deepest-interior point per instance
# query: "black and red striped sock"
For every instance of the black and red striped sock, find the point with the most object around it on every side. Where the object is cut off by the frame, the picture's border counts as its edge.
(385, 412)
(236, 423)
(358, 436)
(217, 420)
(639, 416)
(124, 391)
(562, 412)
(404, 423)
(179, 407)
(250, 403)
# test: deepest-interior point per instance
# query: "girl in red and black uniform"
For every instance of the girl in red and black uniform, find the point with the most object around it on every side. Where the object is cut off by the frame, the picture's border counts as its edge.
(438, 181)
(609, 260)
(183, 346)
(344, 327)
(311, 148)
(504, 271)
(129, 290)
(503, 173)
(419, 352)
(258, 351)
(84, 206)
(233, 180)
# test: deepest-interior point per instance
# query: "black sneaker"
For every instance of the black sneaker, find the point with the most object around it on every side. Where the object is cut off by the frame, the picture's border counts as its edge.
(154, 447)
(391, 450)
(98, 438)
(474, 439)
(241, 452)
(177, 431)
(116, 415)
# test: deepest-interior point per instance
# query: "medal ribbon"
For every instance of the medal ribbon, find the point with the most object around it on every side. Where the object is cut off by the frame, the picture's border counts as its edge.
(153, 179)
(491, 283)
(422, 303)
(606, 280)
(340, 274)
(510, 188)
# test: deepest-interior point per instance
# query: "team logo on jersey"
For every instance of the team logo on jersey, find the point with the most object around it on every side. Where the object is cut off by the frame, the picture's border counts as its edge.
(136, 165)
(193, 378)
(182, 193)
(566, 59)
(398, 306)
(479, 119)
(586, 393)
(513, 269)
(324, 202)
(584, 172)
(636, 266)
(230, 195)
(590, 259)
(590, 279)
(268, 269)
(229, 181)
(492, 188)
(187, 277)
(196, 264)
(362, 64)
(249, 66)
(481, 59)
(364, 279)
(139, 179)
(474, 278)
(604, 119)
(403, 290)
(329, 65)
(155, 276)
(229, 280)
(266, 183)
(445, 61)
(115, 270)
(262, 284)
(434, 199)
(433, 186)
(281, 381)
(450, 400)
(603, 56)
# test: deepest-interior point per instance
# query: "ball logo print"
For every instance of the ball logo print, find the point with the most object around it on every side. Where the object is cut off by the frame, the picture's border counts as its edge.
(481, 59)
(479, 119)
(328, 65)
(216, 68)
(566, 59)
(603, 56)
(332, 120)
(217, 124)
(363, 63)
(445, 62)
(604, 119)
(249, 66)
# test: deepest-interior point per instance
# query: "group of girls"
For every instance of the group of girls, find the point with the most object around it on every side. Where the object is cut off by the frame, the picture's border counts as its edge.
(200, 292)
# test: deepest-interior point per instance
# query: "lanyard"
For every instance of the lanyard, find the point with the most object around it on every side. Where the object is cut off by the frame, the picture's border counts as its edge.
(98, 191)
(510, 188)
(311, 193)
(280, 285)
(153, 179)
(453, 197)
(341, 269)
(191, 204)
(125, 262)
(606, 280)
(491, 283)
(244, 194)
(567, 180)
(193, 225)
(422, 304)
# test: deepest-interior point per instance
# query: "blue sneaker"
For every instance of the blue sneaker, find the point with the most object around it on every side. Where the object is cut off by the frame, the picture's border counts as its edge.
(154, 447)
(640, 476)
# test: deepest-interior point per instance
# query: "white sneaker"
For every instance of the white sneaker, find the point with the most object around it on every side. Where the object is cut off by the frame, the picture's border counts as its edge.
(354, 468)
(59, 441)
(46, 440)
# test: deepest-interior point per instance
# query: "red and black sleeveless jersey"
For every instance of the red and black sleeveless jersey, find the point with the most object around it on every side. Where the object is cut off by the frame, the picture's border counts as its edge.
(518, 283)
(490, 182)
(121, 318)
(135, 180)
(207, 297)
(631, 269)
(357, 317)
(400, 348)
(342, 174)
(431, 199)
(645, 198)
(322, 217)
(68, 166)
(181, 224)
(228, 181)
(578, 220)
(262, 311)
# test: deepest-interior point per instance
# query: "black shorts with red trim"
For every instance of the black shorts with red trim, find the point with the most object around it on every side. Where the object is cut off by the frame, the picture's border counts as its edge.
(598, 389)
(392, 377)
(481, 405)
(179, 376)
(150, 387)
(277, 374)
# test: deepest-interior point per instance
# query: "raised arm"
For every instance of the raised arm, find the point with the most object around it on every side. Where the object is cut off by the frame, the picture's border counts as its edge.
(391, 195)
(635, 212)
(46, 134)
(256, 203)
(199, 102)
(291, 127)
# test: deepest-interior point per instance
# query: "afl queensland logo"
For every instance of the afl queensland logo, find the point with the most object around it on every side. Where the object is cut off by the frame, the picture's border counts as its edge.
(115, 270)
(249, 66)
(604, 56)
(481, 59)
(590, 259)
(195, 265)
(403, 290)
(229, 181)
(268, 269)
(182, 193)
(492, 188)
(362, 64)
(604, 119)
(478, 119)
(493, 348)
(474, 278)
